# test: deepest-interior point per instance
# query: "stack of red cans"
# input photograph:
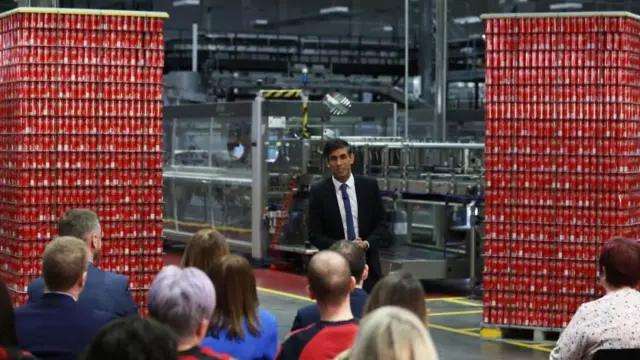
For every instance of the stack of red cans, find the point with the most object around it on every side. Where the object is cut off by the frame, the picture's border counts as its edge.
(562, 159)
(81, 127)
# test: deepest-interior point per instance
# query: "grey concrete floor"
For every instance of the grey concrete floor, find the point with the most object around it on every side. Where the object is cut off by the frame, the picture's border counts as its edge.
(454, 326)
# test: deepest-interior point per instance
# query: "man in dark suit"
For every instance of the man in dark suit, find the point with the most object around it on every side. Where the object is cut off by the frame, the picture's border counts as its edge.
(356, 258)
(58, 327)
(104, 291)
(347, 207)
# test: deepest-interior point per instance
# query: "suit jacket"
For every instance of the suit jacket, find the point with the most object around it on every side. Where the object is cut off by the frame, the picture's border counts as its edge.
(57, 327)
(325, 223)
(104, 291)
(310, 314)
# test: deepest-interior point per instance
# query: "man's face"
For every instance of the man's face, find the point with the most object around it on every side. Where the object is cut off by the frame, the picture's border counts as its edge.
(340, 161)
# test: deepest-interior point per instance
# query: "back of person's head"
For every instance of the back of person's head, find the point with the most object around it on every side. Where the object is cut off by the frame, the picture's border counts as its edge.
(399, 288)
(356, 258)
(84, 225)
(237, 300)
(204, 248)
(330, 280)
(78, 223)
(64, 264)
(182, 299)
(8, 336)
(393, 333)
(133, 338)
(620, 262)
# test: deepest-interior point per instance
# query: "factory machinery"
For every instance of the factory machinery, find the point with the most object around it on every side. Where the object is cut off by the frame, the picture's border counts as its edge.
(246, 168)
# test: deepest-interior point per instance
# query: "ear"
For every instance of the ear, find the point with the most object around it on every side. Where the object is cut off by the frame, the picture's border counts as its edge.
(365, 273)
(352, 284)
(308, 288)
(83, 280)
(201, 330)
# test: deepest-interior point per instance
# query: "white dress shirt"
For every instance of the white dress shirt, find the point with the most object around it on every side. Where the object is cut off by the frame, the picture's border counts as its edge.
(353, 201)
(611, 322)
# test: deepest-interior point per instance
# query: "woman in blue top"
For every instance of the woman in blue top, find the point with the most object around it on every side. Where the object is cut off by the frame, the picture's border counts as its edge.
(239, 327)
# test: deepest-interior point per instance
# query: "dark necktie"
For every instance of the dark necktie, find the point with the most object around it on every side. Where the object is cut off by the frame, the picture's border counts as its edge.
(351, 231)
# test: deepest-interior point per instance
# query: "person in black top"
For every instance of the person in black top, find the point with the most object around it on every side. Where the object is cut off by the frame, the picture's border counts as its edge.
(330, 283)
(347, 207)
(310, 314)
(133, 338)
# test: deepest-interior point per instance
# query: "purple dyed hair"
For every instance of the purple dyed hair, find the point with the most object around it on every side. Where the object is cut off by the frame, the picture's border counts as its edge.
(181, 299)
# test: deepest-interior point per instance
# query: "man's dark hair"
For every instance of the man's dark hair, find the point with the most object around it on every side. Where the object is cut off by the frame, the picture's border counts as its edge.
(355, 256)
(329, 277)
(78, 223)
(620, 259)
(333, 145)
(133, 338)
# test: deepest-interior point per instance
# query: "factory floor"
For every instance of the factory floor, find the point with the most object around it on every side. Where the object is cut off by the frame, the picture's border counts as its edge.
(454, 321)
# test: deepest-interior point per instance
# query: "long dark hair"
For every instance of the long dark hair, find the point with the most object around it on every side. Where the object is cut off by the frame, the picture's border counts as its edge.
(8, 336)
(236, 298)
(401, 289)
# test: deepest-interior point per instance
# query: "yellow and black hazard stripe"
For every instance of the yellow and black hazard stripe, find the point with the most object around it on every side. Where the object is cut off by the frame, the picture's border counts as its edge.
(281, 94)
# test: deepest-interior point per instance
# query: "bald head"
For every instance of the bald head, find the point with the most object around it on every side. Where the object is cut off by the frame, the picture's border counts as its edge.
(329, 277)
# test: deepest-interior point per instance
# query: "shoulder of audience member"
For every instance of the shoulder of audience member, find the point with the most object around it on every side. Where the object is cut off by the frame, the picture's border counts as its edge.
(266, 316)
(15, 354)
(345, 355)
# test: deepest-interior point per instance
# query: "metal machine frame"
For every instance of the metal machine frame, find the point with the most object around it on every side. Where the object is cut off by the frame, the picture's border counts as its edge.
(396, 187)
(259, 110)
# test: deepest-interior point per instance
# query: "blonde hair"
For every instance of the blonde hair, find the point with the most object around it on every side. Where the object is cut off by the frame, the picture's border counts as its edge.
(205, 248)
(393, 333)
(64, 262)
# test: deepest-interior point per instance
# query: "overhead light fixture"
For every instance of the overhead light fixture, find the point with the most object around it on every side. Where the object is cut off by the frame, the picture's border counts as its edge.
(334, 10)
(261, 22)
(467, 20)
(388, 28)
(179, 3)
(566, 6)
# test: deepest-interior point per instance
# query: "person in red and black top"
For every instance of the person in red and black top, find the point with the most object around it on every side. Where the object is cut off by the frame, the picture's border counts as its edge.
(184, 300)
(330, 284)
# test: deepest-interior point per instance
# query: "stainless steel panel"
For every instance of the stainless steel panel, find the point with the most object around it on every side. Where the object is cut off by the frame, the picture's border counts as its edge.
(290, 108)
(233, 109)
(396, 184)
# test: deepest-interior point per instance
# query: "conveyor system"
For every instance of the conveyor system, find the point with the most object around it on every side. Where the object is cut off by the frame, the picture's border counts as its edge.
(243, 168)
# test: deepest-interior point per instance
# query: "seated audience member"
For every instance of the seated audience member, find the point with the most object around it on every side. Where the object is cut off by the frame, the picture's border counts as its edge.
(133, 338)
(612, 321)
(401, 289)
(8, 340)
(58, 326)
(393, 333)
(330, 284)
(239, 327)
(310, 314)
(103, 291)
(184, 299)
(205, 247)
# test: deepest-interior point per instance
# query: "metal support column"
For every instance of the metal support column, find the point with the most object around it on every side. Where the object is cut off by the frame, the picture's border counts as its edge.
(440, 223)
(426, 49)
(259, 236)
(442, 63)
